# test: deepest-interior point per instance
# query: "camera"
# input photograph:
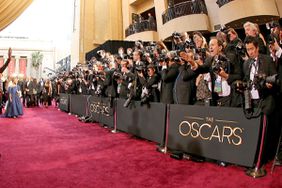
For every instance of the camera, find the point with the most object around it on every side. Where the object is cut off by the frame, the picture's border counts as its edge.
(189, 44)
(117, 75)
(162, 58)
(140, 68)
(99, 90)
(145, 97)
(201, 53)
(176, 35)
(139, 44)
(220, 62)
(261, 79)
(101, 53)
(240, 48)
(272, 38)
(271, 25)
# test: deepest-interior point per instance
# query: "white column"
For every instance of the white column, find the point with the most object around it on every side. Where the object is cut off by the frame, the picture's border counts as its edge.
(28, 67)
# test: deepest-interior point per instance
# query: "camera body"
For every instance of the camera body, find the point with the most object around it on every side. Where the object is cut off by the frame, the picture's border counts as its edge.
(240, 48)
(200, 53)
(117, 76)
(220, 62)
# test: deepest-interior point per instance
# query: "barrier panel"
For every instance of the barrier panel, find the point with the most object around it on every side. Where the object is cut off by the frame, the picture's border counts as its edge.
(78, 104)
(64, 102)
(144, 121)
(218, 133)
(101, 110)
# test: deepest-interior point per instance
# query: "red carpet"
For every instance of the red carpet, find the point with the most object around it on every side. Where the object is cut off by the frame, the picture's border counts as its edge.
(48, 149)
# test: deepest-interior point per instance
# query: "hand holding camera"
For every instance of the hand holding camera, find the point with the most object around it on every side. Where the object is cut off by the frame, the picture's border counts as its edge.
(189, 58)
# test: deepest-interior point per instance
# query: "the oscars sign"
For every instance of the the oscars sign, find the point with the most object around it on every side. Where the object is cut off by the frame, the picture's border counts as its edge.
(217, 133)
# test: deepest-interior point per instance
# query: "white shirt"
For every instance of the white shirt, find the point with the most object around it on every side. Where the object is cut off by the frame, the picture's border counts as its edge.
(253, 72)
(226, 89)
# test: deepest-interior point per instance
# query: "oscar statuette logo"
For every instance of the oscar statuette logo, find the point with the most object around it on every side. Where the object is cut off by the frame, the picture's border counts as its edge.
(210, 129)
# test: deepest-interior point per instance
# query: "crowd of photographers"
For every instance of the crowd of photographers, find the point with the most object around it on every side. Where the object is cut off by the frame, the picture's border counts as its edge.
(227, 72)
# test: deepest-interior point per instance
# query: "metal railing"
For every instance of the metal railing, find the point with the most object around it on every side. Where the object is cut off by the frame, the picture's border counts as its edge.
(220, 3)
(184, 9)
(142, 26)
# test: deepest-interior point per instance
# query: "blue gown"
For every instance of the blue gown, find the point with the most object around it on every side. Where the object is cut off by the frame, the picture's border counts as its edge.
(14, 108)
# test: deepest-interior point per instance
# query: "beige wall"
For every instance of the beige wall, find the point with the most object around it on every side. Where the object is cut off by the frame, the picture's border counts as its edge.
(146, 5)
(245, 8)
(144, 36)
(213, 10)
(279, 7)
(100, 20)
(160, 7)
(196, 22)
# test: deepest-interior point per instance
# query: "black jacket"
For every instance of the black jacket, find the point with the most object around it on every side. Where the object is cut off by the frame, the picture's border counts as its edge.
(152, 85)
(184, 87)
(110, 84)
(265, 66)
(168, 78)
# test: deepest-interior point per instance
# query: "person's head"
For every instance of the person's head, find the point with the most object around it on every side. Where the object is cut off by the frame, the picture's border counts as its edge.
(151, 70)
(215, 46)
(199, 40)
(124, 64)
(250, 29)
(252, 47)
(112, 65)
(136, 55)
(184, 36)
(149, 14)
(221, 36)
(129, 51)
(15, 80)
(231, 34)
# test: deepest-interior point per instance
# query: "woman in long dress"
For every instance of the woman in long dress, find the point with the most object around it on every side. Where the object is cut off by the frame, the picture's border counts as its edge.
(47, 92)
(14, 106)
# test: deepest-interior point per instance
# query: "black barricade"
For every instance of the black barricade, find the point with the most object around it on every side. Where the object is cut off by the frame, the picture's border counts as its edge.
(223, 134)
(101, 110)
(142, 121)
(78, 104)
(64, 102)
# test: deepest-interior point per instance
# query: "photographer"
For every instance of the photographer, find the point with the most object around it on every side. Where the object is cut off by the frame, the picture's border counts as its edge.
(218, 66)
(177, 43)
(125, 82)
(150, 92)
(256, 70)
(236, 52)
(276, 54)
(184, 87)
(201, 47)
(110, 83)
(252, 30)
(169, 74)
